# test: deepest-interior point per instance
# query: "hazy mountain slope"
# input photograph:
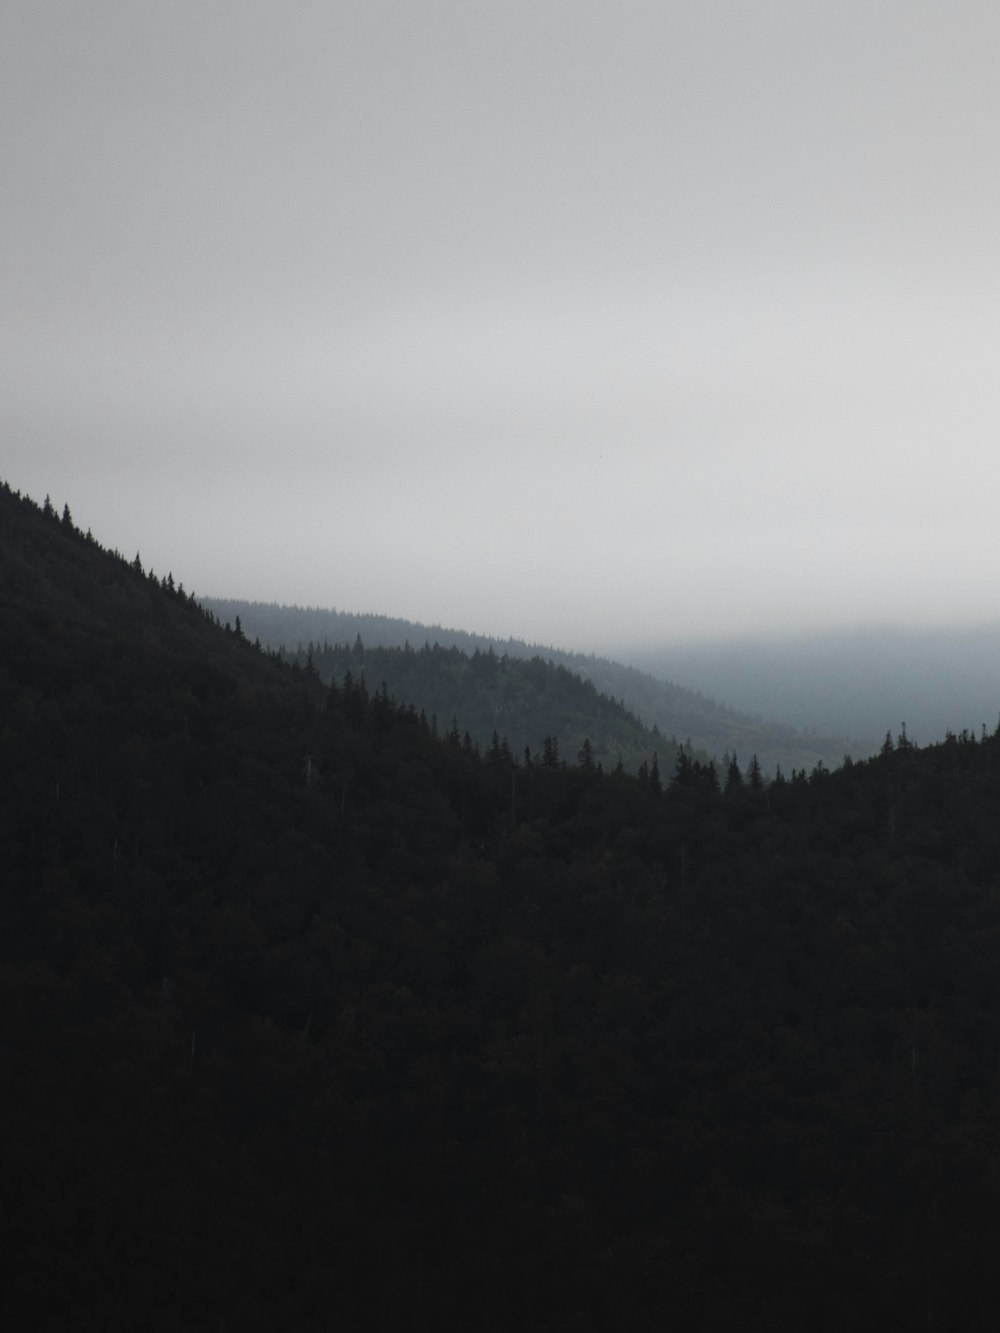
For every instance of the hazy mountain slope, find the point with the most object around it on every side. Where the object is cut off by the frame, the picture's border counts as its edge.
(674, 710)
(518, 701)
(865, 681)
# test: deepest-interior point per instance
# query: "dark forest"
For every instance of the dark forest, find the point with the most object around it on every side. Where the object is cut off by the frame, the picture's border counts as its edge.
(315, 1016)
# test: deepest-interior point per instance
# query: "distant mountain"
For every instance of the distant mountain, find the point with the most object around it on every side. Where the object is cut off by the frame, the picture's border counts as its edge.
(862, 681)
(519, 702)
(692, 717)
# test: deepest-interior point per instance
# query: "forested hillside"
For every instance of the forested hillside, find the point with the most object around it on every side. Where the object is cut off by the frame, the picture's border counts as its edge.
(692, 717)
(523, 704)
(310, 1019)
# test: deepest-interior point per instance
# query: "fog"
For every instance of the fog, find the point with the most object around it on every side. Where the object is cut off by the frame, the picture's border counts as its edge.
(582, 322)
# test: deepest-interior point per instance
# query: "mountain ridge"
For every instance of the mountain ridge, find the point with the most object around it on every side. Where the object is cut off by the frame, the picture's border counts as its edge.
(675, 711)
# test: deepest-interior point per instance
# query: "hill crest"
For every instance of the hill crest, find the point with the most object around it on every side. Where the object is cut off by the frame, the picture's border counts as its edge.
(693, 718)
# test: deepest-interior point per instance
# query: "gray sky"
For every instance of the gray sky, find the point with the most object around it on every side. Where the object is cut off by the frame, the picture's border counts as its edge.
(578, 321)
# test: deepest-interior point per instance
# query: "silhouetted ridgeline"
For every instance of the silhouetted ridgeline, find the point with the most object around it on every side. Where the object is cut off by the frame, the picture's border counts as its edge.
(689, 716)
(312, 1020)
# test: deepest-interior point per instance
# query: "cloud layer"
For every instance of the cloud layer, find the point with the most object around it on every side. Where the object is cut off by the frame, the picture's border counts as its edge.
(568, 320)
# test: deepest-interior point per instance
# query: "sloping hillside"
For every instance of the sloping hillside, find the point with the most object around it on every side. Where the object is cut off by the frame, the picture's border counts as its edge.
(685, 714)
(309, 1019)
(518, 702)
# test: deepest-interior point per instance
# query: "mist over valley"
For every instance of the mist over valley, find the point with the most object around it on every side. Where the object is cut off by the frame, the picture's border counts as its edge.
(860, 681)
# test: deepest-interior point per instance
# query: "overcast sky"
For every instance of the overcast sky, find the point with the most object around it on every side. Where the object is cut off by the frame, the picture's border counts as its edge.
(585, 322)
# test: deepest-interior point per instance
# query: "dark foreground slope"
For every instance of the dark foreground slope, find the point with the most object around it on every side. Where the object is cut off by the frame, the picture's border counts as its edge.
(689, 715)
(311, 1021)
